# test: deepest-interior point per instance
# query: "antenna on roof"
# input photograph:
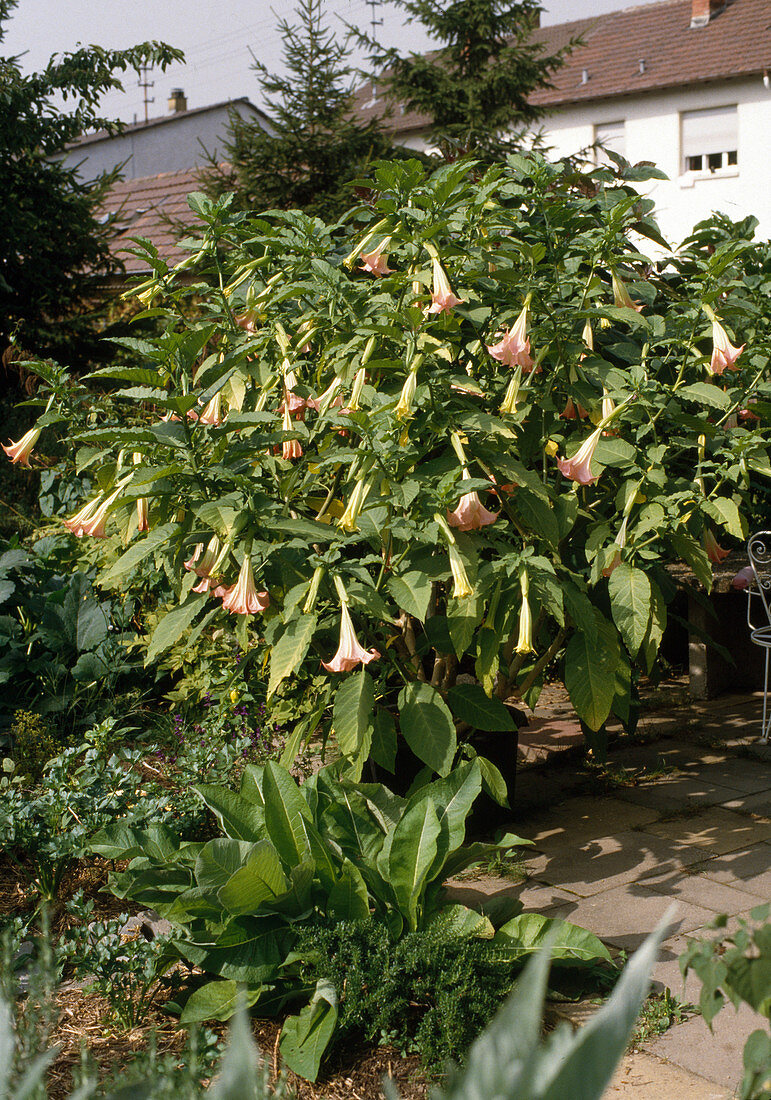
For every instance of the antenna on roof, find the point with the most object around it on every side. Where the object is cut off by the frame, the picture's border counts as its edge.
(374, 6)
(146, 85)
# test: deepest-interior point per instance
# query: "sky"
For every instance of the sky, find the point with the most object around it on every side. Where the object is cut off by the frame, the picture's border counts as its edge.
(219, 39)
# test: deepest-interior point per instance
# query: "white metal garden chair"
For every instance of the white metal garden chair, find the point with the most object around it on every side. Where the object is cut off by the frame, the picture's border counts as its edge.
(758, 594)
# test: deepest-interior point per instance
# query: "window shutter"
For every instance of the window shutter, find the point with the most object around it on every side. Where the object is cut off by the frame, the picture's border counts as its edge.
(710, 131)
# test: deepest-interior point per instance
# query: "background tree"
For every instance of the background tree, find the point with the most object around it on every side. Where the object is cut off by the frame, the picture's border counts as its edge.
(55, 251)
(315, 146)
(474, 88)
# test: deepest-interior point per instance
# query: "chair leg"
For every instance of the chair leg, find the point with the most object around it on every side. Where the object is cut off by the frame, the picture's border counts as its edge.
(764, 730)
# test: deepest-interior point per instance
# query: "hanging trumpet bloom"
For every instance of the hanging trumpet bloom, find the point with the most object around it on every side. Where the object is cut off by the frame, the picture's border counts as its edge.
(715, 553)
(291, 448)
(142, 519)
(403, 409)
(513, 349)
(462, 587)
(724, 354)
(619, 543)
(190, 563)
(20, 452)
(358, 386)
(512, 392)
(212, 413)
(579, 467)
(573, 411)
(588, 336)
(621, 296)
(470, 514)
(442, 297)
(75, 523)
(525, 640)
(349, 652)
(376, 261)
(349, 519)
(243, 598)
(93, 523)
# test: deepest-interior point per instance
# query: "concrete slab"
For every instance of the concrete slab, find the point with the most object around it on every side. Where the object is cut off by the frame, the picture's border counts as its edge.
(666, 972)
(745, 775)
(759, 805)
(714, 831)
(715, 1054)
(696, 888)
(603, 863)
(582, 819)
(642, 1076)
(676, 793)
(625, 915)
(747, 868)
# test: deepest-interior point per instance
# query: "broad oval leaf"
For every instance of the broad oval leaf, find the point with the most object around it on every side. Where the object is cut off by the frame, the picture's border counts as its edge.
(590, 667)
(630, 604)
(427, 726)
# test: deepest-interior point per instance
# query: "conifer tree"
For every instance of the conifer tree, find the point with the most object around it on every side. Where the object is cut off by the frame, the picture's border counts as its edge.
(474, 88)
(314, 145)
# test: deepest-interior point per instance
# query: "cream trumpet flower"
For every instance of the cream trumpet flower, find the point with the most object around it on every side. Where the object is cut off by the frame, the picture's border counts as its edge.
(512, 392)
(442, 297)
(142, 518)
(290, 448)
(348, 520)
(579, 467)
(358, 386)
(470, 514)
(93, 523)
(462, 589)
(525, 640)
(20, 452)
(349, 652)
(403, 410)
(376, 261)
(513, 349)
(205, 567)
(724, 354)
(243, 598)
(621, 295)
(619, 543)
(588, 336)
(75, 523)
(212, 414)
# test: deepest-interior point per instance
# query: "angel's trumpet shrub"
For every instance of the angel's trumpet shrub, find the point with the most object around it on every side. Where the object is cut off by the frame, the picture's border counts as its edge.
(513, 348)
(724, 354)
(470, 513)
(579, 467)
(525, 639)
(621, 297)
(20, 452)
(715, 553)
(442, 297)
(376, 261)
(243, 598)
(349, 651)
(290, 448)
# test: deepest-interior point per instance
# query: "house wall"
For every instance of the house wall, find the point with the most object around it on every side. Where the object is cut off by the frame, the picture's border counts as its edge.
(652, 132)
(176, 143)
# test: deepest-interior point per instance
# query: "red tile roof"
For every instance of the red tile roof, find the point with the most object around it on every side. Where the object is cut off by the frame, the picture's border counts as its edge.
(736, 42)
(147, 207)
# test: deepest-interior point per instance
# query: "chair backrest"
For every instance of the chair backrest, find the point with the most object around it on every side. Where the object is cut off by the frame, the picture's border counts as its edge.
(759, 553)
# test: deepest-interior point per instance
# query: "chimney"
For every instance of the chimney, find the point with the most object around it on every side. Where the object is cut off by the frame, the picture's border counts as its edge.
(177, 101)
(703, 10)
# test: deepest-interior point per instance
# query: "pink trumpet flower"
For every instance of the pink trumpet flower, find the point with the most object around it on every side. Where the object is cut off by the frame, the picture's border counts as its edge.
(715, 553)
(724, 354)
(573, 411)
(190, 563)
(291, 448)
(743, 578)
(513, 349)
(621, 295)
(442, 297)
(142, 522)
(94, 523)
(470, 514)
(579, 467)
(20, 452)
(75, 523)
(349, 652)
(375, 261)
(243, 598)
(212, 414)
(297, 405)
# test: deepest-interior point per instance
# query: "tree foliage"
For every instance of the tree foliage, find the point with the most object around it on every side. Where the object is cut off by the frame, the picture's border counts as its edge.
(314, 146)
(54, 248)
(474, 89)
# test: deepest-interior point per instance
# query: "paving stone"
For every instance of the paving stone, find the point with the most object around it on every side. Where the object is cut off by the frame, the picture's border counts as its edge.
(745, 775)
(759, 805)
(715, 1054)
(609, 861)
(625, 915)
(673, 794)
(642, 1076)
(748, 868)
(666, 973)
(581, 819)
(715, 830)
(697, 889)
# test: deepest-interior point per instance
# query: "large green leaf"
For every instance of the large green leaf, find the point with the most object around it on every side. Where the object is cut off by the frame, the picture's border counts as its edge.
(470, 703)
(218, 1001)
(247, 950)
(412, 592)
(287, 815)
(260, 879)
(219, 859)
(289, 651)
(427, 726)
(694, 554)
(173, 625)
(463, 617)
(383, 747)
(590, 668)
(630, 603)
(348, 899)
(352, 717)
(241, 819)
(726, 512)
(128, 561)
(412, 852)
(569, 943)
(305, 1037)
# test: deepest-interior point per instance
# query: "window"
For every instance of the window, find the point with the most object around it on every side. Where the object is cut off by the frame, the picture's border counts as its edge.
(609, 135)
(709, 139)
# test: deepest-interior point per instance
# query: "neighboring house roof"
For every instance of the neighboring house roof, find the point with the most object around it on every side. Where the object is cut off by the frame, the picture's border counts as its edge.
(163, 120)
(150, 207)
(736, 42)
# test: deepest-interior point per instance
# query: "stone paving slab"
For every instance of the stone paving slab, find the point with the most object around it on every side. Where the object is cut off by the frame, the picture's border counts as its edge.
(582, 819)
(676, 793)
(743, 775)
(697, 889)
(748, 868)
(643, 1076)
(715, 1054)
(759, 805)
(716, 831)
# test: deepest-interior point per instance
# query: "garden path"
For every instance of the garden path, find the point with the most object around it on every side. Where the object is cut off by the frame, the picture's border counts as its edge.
(696, 830)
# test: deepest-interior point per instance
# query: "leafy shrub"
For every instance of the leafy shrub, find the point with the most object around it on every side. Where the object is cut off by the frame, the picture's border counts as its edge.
(33, 743)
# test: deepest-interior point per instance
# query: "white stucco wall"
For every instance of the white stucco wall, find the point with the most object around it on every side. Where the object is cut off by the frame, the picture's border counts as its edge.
(175, 143)
(653, 133)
